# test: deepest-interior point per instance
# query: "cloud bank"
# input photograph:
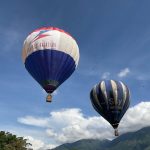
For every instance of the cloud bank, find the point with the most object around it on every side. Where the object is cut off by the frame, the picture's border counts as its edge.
(38, 144)
(69, 125)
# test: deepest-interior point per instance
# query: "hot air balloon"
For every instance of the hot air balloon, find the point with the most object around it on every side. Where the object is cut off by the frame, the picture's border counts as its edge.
(111, 99)
(50, 55)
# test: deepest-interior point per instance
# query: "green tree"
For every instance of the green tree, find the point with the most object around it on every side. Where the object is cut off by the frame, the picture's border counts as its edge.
(9, 141)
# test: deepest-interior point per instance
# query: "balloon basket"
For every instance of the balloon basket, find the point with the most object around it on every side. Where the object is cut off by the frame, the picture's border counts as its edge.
(49, 98)
(116, 133)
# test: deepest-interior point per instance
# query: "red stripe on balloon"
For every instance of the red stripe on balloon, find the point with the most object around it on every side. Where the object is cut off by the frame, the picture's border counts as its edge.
(51, 28)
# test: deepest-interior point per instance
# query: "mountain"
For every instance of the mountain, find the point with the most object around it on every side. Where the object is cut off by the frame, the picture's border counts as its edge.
(89, 144)
(139, 140)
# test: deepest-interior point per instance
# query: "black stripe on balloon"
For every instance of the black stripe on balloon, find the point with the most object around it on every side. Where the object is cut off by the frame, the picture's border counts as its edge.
(110, 95)
(95, 105)
(119, 95)
(113, 109)
(111, 99)
(101, 97)
(106, 112)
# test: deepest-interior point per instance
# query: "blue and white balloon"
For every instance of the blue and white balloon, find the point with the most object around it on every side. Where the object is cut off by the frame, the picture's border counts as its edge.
(111, 99)
(50, 55)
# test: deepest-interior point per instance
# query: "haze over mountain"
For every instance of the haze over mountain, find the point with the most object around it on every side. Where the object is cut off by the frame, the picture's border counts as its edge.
(139, 140)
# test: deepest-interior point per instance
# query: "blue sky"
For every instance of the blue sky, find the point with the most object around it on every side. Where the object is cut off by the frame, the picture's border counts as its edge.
(114, 42)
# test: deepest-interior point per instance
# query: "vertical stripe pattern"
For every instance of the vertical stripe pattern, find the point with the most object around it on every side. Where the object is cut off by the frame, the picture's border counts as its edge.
(111, 100)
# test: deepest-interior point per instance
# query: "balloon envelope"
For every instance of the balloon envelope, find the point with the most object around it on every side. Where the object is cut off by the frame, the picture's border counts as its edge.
(111, 100)
(50, 55)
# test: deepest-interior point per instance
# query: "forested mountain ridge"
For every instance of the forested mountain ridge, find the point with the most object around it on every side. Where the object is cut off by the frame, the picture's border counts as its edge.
(139, 140)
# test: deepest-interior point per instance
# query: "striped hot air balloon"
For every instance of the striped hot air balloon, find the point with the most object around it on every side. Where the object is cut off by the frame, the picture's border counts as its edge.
(111, 100)
(50, 55)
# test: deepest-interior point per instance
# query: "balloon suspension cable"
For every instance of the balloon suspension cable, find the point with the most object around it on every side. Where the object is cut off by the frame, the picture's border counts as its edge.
(116, 132)
(49, 98)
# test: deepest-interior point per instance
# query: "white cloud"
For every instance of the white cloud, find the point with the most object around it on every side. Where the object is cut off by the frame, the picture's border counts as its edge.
(36, 144)
(124, 72)
(49, 146)
(136, 117)
(51, 133)
(29, 120)
(105, 75)
(69, 125)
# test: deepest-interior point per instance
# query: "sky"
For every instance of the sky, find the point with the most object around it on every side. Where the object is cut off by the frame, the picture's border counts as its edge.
(114, 42)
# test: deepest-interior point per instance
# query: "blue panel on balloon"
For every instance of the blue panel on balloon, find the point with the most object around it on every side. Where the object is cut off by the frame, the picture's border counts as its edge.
(50, 68)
